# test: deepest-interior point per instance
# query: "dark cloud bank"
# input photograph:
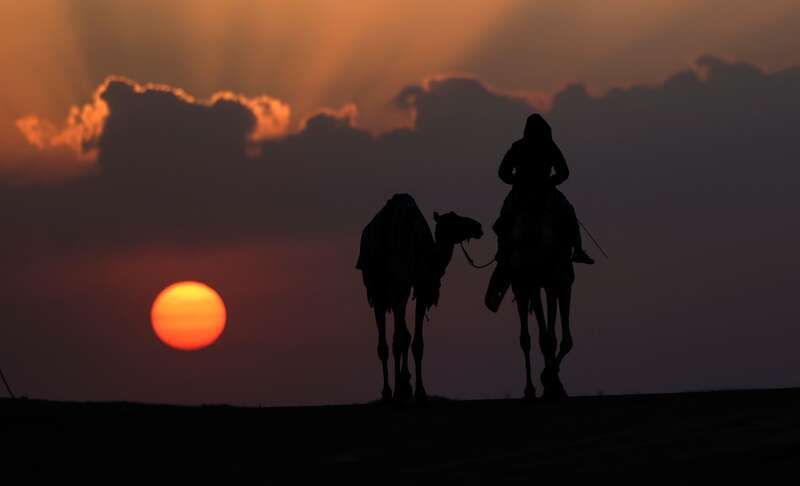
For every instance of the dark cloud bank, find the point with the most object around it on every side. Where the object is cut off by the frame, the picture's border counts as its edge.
(691, 185)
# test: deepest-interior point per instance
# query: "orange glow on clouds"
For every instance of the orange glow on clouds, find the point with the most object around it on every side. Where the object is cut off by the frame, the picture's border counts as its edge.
(188, 315)
(347, 113)
(328, 53)
(84, 125)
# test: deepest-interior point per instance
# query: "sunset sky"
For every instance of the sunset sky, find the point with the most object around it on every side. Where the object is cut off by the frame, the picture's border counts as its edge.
(246, 143)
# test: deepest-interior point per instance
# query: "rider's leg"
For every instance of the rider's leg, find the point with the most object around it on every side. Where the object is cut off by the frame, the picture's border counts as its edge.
(502, 227)
(500, 281)
(579, 255)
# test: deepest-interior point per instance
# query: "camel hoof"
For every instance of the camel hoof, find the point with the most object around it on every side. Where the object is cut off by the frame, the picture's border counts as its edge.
(386, 395)
(403, 388)
(549, 395)
(420, 395)
(529, 394)
(403, 392)
(548, 377)
(554, 392)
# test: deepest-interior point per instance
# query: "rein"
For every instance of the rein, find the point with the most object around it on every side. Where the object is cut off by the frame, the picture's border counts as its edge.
(472, 262)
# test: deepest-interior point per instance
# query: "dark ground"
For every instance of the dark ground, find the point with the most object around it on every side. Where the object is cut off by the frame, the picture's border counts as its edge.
(680, 438)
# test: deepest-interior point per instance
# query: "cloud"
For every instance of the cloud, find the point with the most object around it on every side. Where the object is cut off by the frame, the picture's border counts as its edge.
(443, 103)
(166, 158)
(82, 129)
(272, 116)
(84, 126)
(346, 115)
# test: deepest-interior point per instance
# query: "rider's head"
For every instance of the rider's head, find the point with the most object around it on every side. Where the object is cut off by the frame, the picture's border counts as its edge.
(536, 128)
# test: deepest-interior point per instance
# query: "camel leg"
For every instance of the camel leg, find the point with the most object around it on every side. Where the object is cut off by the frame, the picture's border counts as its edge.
(566, 335)
(400, 344)
(383, 352)
(417, 347)
(405, 370)
(545, 343)
(525, 341)
(549, 375)
(564, 298)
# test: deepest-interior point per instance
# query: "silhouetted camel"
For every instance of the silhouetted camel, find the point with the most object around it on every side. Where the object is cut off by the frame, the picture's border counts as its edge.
(398, 253)
(540, 258)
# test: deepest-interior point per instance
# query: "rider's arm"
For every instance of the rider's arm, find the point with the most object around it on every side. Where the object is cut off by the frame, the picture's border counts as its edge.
(506, 171)
(559, 167)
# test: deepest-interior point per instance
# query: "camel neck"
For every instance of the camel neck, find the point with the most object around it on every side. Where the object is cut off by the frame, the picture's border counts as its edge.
(442, 254)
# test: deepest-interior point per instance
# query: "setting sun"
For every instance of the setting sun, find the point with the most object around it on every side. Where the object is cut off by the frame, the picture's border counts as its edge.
(188, 315)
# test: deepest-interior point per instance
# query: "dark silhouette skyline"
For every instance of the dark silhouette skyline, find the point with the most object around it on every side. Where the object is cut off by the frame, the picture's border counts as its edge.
(720, 436)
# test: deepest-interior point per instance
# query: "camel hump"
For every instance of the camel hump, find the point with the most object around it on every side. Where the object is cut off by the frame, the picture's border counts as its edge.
(397, 228)
(402, 202)
(395, 245)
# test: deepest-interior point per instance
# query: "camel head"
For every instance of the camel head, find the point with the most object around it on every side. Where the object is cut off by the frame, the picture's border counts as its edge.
(455, 228)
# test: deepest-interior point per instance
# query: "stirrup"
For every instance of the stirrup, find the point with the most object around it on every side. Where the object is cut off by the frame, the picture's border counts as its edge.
(580, 256)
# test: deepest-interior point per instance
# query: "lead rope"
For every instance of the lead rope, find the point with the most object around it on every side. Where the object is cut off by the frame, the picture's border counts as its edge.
(472, 262)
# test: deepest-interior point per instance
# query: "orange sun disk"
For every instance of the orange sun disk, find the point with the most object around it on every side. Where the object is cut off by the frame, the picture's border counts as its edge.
(188, 315)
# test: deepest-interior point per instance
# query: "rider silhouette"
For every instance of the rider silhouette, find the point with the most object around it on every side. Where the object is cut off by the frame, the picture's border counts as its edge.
(534, 166)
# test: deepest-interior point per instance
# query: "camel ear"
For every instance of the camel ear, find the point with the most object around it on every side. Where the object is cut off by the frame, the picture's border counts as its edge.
(436, 216)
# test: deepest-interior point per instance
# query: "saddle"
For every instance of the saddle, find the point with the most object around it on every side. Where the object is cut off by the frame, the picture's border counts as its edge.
(530, 227)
